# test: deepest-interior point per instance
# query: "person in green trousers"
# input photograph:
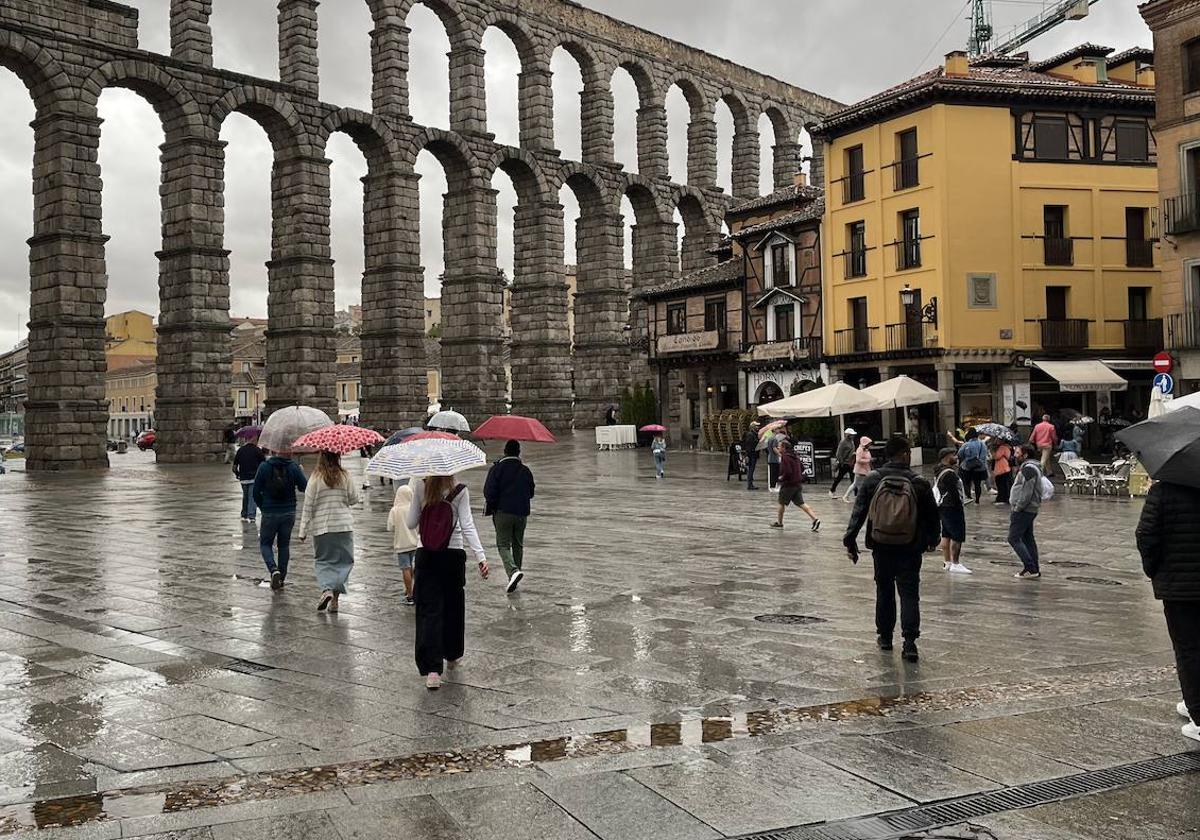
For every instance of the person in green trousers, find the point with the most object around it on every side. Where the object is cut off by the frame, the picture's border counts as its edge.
(508, 492)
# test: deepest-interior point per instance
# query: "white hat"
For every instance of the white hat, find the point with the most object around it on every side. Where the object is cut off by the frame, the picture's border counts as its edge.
(850, 431)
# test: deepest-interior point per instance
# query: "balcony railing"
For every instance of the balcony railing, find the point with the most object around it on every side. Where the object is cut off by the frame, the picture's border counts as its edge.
(856, 264)
(1139, 253)
(1183, 330)
(1144, 334)
(910, 335)
(854, 340)
(797, 349)
(1058, 251)
(908, 254)
(854, 187)
(1181, 214)
(1067, 334)
(907, 173)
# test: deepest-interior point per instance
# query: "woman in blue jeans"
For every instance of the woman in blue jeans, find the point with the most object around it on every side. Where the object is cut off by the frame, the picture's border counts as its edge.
(275, 486)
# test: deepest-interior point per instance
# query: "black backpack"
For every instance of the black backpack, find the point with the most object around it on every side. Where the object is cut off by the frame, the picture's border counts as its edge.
(280, 482)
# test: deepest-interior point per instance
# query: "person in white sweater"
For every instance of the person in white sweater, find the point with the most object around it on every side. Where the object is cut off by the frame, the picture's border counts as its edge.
(329, 518)
(441, 511)
(405, 541)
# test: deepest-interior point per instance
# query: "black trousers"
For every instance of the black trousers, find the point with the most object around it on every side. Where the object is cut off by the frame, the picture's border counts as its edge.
(772, 474)
(1004, 483)
(840, 472)
(898, 574)
(973, 479)
(1183, 623)
(751, 463)
(441, 606)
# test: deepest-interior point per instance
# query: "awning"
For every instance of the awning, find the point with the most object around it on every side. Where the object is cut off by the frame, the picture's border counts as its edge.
(1083, 376)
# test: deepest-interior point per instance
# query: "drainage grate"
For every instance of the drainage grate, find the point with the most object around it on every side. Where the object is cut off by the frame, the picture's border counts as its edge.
(1096, 580)
(243, 666)
(786, 618)
(1069, 564)
(925, 817)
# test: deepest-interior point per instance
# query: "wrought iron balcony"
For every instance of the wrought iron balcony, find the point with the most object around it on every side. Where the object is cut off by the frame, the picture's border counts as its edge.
(1065, 334)
(1144, 334)
(1181, 214)
(910, 335)
(1058, 251)
(856, 264)
(908, 254)
(854, 340)
(1139, 253)
(854, 188)
(1183, 330)
(907, 173)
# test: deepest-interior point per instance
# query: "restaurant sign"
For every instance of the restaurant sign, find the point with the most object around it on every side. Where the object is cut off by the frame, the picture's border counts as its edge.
(689, 342)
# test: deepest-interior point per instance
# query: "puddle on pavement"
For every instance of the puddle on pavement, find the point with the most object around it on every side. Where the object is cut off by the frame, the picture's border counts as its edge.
(688, 731)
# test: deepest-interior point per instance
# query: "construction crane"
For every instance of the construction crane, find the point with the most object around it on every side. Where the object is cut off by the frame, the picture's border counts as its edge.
(983, 39)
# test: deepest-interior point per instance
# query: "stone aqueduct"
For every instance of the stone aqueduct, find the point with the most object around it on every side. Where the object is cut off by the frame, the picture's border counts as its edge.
(67, 52)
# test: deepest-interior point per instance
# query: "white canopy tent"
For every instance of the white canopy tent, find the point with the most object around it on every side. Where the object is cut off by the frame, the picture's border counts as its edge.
(830, 401)
(901, 392)
(1083, 376)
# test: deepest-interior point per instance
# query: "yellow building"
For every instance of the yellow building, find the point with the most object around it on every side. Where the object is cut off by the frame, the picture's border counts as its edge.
(129, 338)
(130, 392)
(989, 221)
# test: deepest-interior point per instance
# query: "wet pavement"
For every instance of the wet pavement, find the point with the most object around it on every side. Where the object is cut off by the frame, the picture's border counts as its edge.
(671, 668)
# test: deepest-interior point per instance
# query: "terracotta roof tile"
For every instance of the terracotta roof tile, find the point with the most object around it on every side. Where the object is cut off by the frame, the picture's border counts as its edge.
(792, 192)
(720, 274)
(812, 212)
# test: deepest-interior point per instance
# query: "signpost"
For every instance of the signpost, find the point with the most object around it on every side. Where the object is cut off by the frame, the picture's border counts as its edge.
(1163, 363)
(1165, 383)
(807, 454)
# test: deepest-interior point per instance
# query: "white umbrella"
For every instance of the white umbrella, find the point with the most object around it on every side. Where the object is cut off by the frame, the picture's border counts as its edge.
(901, 392)
(287, 424)
(451, 421)
(830, 401)
(1190, 401)
(431, 456)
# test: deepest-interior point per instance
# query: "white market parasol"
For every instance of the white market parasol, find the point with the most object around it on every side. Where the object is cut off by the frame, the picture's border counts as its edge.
(901, 392)
(287, 424)
(829, 401)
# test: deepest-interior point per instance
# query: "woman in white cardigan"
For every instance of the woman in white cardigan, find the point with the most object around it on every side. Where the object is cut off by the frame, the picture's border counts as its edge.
(329, 518)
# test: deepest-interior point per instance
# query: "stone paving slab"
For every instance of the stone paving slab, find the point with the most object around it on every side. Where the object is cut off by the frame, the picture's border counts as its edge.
(139, 651)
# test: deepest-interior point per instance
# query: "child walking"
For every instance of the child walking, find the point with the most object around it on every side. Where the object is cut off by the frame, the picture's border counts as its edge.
(659, 447)
(404, 539)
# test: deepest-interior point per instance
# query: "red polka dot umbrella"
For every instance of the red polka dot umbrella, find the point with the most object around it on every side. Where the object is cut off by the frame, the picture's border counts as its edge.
(339, 439)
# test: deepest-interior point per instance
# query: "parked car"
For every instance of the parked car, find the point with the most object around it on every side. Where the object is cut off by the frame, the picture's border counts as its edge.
(18, 447)
(147, 439)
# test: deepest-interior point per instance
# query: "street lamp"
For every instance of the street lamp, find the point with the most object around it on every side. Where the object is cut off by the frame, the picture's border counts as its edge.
(929, 312)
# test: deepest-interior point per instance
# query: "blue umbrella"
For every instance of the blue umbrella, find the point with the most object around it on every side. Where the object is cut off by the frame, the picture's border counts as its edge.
(403, 435)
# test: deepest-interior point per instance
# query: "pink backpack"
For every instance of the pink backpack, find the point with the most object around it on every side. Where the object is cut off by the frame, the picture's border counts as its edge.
(436, 525)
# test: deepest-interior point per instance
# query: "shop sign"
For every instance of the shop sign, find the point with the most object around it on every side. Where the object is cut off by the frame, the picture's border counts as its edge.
(770, 351)
(970, 376)
(807, 454)
(689, 342)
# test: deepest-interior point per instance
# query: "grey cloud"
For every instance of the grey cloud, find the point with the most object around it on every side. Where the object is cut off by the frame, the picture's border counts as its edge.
(846, 49)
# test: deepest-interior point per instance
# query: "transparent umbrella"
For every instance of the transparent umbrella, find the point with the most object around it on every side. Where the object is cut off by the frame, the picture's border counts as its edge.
(284, 426)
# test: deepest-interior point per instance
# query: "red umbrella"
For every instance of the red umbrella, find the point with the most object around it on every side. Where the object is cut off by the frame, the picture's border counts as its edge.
(513, 427)
(339, 439)
(653, 427)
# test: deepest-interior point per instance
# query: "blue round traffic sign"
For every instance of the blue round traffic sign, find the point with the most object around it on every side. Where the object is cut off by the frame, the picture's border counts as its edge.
(1165, 383)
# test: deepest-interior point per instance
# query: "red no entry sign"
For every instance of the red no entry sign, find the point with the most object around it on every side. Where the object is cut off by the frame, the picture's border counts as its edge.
(1163, 363)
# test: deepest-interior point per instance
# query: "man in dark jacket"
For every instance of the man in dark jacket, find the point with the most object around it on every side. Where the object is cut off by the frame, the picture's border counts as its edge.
(507, 493)
(245, 466)
(1168, 538)
(897, 566)
(275, 485)
(750, 450)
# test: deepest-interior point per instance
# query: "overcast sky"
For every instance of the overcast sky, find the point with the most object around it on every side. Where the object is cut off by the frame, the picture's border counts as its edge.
(845, 49)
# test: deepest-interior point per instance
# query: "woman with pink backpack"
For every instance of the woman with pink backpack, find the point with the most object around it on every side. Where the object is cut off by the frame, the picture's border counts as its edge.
(441, 513)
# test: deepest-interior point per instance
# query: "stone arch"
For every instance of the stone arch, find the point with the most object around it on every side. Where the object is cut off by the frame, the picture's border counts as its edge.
(524, 170)
(701, 231)
(701, 131)
(271, 110)
(595, 102)
(372, 136)
(786, 151)
(180, 114)
(586, 183)
(458, 29)
(46, 82)
(745, 144)
(451, 152)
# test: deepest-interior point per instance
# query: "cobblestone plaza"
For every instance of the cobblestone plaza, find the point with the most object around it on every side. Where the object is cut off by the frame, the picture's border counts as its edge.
(671, 668)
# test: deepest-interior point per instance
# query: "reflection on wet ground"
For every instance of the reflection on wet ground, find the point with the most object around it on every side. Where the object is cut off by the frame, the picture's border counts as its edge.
(688, 731)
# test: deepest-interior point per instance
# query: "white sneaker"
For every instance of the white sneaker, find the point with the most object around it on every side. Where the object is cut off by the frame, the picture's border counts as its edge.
(514, 580)
(1191, 730)
(433, 682)
(1183, 710)
(959, 568)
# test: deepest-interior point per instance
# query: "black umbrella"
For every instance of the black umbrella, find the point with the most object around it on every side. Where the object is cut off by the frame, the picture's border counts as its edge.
(1168, 446)
(996, 430)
